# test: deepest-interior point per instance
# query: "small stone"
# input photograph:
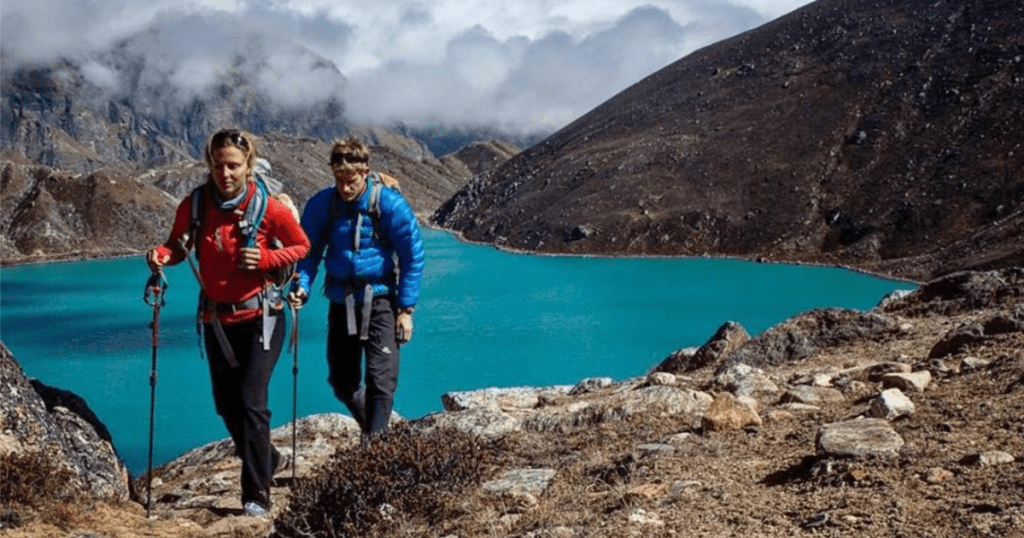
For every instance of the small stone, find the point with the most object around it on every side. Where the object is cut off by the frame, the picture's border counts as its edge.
(645, 492)
(662, 378)
(891, 404)
(994, 457)
(972, 364)
(654, 449)
(811, 395)
(937, 475)
(877, 371)
(817, 520)
(779, 415)
(683, 485)
(912, 382)
(728, 413)
(642, 517)
(680, 438)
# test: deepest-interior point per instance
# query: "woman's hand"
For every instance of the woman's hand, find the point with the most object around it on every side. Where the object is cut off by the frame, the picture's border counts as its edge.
(155, 260)
(249, 258)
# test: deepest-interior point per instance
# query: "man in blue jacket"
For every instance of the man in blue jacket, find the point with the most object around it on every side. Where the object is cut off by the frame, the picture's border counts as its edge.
(374, 264)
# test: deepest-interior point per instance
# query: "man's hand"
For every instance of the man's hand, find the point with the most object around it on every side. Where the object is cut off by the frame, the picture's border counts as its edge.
(403, 325)
(297, 297)
(156, 261)
(249, 258)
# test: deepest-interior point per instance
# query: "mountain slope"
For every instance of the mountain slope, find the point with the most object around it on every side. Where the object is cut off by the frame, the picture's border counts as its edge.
(881, 134)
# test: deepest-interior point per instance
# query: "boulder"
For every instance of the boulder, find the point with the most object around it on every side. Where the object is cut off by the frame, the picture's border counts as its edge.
(862, 437)
(729, 413)
(61, 430)
(728, 338)
(891, 404)
(799, 337)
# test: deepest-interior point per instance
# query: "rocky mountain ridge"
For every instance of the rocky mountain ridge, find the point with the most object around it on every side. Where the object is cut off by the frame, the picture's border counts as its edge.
(93, 171)
(881, 134)
(48, 214)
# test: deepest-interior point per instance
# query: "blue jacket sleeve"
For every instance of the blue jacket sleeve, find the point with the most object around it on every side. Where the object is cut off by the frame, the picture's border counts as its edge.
(404, 233)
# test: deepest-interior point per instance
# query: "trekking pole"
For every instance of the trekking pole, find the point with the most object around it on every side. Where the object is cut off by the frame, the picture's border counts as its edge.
(154, 295)
(295, 385)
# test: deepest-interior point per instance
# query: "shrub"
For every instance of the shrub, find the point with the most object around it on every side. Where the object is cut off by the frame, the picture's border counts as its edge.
(33, 481)
(401, 478)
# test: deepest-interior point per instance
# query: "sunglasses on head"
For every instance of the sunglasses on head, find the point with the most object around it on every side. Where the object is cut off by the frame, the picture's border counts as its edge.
(236, 138)
(341, 158)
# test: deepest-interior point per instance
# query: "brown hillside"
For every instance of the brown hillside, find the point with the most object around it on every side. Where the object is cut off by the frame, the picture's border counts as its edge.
(882, 134)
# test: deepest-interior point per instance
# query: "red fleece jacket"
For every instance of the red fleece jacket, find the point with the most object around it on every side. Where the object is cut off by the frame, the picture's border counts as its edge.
(220, 241)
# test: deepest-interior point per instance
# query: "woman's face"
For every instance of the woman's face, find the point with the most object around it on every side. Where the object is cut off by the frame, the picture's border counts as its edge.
(230, 171)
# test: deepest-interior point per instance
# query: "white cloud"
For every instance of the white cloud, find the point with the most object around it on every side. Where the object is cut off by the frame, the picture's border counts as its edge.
(518, 64)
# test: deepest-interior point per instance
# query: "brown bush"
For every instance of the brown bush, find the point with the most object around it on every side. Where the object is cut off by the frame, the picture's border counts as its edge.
(400, 480)
(36, 484)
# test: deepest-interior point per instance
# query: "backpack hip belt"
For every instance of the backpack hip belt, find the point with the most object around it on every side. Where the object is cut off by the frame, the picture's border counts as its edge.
(270, 298)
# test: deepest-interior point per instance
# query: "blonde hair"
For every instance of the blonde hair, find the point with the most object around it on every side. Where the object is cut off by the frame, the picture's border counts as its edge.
(227, 138)
(350, 154)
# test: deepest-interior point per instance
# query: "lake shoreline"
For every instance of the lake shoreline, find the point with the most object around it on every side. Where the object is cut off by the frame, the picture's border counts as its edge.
(79, 257)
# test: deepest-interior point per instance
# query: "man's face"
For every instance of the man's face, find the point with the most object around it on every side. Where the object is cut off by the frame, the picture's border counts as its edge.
(350, 183)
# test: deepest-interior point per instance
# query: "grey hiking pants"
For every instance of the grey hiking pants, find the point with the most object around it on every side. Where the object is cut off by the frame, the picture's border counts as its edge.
(370, 405)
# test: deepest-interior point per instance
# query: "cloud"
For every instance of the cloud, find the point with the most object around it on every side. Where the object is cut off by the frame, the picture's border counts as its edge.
(521, 65)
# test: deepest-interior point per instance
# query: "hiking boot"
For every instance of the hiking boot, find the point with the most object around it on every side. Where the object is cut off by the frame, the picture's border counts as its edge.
(279, 461)
(255, 509)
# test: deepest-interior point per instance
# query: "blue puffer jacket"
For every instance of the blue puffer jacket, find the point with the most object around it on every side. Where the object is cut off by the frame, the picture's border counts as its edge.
(372, 263)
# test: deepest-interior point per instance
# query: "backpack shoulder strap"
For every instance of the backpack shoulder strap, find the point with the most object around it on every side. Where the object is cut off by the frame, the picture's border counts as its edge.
(198, 202)
(375, 184)
(254, 213)
(373, 206)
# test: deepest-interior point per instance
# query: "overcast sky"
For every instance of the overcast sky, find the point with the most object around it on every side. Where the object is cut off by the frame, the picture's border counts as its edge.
(521, 65)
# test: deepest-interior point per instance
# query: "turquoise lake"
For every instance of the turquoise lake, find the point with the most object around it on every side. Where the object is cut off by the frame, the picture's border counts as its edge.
(486, 318)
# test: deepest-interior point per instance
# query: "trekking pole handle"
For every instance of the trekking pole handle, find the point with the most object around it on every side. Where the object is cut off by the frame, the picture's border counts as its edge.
(156, 289)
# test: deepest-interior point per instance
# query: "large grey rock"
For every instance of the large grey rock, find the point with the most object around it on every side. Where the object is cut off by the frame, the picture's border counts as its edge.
(964, 291)
(799, 337)
(63, 431)
(654, 400)
(728, 338)
(532, 481)
(488, 421)
(863, 437)
(807, 394)
(513, 397)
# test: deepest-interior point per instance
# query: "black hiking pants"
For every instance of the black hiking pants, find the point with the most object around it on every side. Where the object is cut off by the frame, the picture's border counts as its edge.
(240, 396)
(370, 405)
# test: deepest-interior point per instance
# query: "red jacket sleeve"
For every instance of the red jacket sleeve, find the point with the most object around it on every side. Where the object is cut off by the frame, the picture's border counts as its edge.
(279, 223)
(182, 221)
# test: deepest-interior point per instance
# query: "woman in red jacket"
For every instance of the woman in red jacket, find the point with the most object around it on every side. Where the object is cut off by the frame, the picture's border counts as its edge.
(243, 330)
